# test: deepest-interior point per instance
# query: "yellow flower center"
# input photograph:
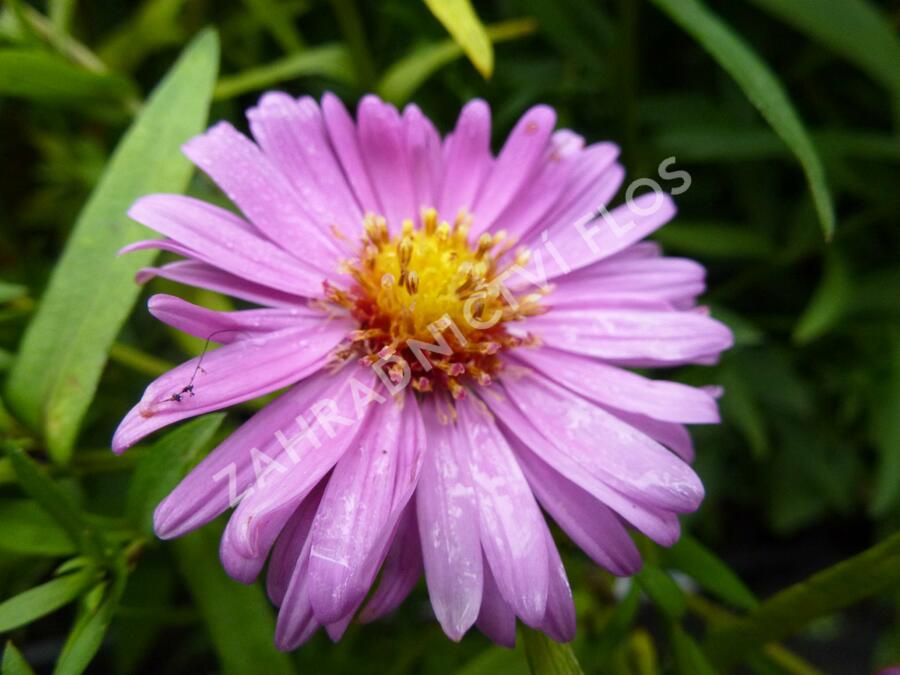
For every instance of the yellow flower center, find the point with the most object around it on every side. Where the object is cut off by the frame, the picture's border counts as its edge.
(435, 300)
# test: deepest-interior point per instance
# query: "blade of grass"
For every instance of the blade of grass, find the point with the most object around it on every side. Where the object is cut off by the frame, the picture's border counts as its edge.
(330, 61)
(408, 73)
(92, 290)
(463, 24)
(826, 592)
(762, 88)
(854, 29)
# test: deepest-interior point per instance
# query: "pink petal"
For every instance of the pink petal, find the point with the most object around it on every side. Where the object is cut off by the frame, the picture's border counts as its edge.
(342, 134)
(231, 374)
(293, 135)
(496, 619)
(559, 621)
(582, 241)
(618, 388)
(517, 161)
(606, 447)
(658, 524)
(213, 236)
(201, 275)
(510, 520)
(382, 144)
(674, 436)
(227, 327)
(631, 336)
(291, 550)
(366, 494)
(228, 472)
(262, 193)
(296, 620)
(308, 456)
(467, 159)
(590, 524)
(451, 546)
(402, 569)
(555, 191)
(423, 148)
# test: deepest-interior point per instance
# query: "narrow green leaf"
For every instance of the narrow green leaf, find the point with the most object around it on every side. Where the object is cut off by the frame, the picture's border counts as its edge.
(277, 20)
(614, 631)
(92, 290)
(829, 302)
(29, 530)
(36, 483)
(238, 617)
(855, 29)
(741, 407)
(861, 576)
(546, 657)
(39, 601)
(495, 660)
(155, 25)
(331, 61)
(688, 657)
(761, 86)
(87, 633)
(662, 590)
(885, 432)
(42, 76)
(164, 465)
(10, 292)
(13, 662)
(408, 73)
(695, 560)
(463, 24)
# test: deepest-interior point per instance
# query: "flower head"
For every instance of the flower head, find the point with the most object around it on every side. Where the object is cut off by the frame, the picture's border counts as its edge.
(452, 330)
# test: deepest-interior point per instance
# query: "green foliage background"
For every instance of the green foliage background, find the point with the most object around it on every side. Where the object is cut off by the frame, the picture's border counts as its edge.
(786, 114)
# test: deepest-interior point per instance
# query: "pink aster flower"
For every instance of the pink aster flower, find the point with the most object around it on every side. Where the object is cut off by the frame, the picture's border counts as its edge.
(452, 331)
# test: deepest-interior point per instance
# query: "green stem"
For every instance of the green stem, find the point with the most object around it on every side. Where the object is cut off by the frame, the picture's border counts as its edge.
(139, 361)
(824, 593)
(354, 33)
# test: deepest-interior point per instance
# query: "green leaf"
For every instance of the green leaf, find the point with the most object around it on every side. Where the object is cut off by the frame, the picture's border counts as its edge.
(463, 24)
(662, 590)
(546, 657)
(698, 562)
(407, 74)
(238, 617)
(164, 465)
(35, 482)
(39, 601)
(614, 631)
(869, 573)
(761, 86)
(885, 432)
(829, 302)
(87, 633)
(273, 15)
(331, 61)
(92, 290)
(741, 407)
(855, 29)
(10, 292)
(13, 662)
(42, 76)
(29, 530)
(497, 660)
(688, 657)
